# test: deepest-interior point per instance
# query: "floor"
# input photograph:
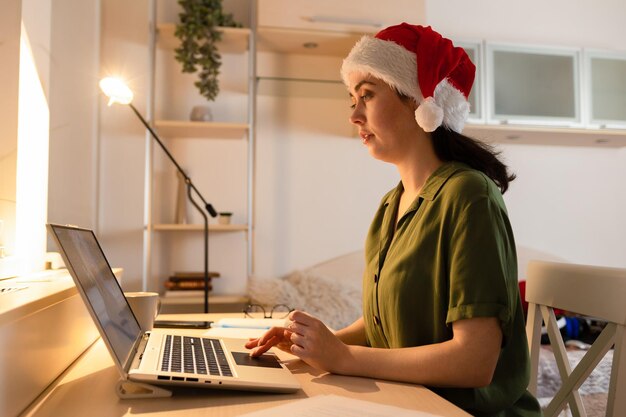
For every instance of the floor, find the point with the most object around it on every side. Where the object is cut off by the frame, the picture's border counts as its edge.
(593, 391)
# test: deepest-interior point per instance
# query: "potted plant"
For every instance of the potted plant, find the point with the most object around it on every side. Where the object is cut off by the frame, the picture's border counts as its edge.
(198, 34)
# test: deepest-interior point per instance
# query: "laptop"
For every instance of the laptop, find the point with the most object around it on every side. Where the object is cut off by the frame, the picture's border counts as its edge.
(158, 358)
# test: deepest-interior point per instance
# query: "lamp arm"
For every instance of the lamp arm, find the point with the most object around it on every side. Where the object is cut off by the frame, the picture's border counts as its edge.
(206, 248)
(208, 206)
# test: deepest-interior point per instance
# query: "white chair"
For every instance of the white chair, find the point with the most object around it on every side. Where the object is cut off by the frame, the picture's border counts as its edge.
(592, 291)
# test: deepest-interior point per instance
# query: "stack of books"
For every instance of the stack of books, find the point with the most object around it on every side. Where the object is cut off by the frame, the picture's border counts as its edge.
(187, 283)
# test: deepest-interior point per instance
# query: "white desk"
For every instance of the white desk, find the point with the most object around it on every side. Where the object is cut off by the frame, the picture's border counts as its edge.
(88, 389)
(44, 327)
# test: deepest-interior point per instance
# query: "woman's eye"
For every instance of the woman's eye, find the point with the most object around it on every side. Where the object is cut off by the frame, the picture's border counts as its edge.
(363, 97)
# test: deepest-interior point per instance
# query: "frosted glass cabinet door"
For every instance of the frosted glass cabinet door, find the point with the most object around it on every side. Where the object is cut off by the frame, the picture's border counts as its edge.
(473, 50)
(535, 85)
(608, 89)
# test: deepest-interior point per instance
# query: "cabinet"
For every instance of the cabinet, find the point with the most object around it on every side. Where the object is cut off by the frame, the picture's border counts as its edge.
(606, 88)
(218, 156)
(475, 52)
(338, 16)
(536, 85)
(546, 96)
(554, 110)
(44, 328)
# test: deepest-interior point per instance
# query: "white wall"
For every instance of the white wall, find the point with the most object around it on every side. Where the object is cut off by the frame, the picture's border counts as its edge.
(317, 188)
(10, 56)
(124, 53)
(74, 68)
(567, 201)
(64, 39)
(558, 22)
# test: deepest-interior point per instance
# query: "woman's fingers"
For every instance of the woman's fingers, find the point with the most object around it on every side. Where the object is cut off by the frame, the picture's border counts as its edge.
(308, 326)
(276, 336)
(301, 317)
(269, 338)
(298, 339)
(298, 351)
(261, 349)
(304, 336)
(271, 333)
(252, 343)
(303, 323)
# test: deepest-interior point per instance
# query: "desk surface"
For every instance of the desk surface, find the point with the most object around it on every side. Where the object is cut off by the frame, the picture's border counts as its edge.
(87, 388)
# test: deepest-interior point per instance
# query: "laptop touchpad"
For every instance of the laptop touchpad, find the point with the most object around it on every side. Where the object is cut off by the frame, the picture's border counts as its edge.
(265, 361)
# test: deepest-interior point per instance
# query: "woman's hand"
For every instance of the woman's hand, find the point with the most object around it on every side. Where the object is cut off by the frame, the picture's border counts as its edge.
(276, 336)
(306, 337)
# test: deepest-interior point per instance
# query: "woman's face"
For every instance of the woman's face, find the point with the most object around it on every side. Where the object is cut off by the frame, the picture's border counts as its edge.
(386, 122)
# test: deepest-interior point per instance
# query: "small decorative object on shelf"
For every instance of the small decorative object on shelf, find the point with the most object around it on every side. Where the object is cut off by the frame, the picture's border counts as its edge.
(201, 114)
(198, 34)
(186, 281)
(224, 217)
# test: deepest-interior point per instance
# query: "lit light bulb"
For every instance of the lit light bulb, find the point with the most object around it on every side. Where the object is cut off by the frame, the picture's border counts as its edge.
(116, 90)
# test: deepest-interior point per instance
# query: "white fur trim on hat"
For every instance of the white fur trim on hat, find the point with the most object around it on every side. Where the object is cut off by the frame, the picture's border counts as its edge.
(397, 67)
(384, 60)
(454, 105)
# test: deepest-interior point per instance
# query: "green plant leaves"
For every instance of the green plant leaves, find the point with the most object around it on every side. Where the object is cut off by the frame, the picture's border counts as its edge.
(198, 34)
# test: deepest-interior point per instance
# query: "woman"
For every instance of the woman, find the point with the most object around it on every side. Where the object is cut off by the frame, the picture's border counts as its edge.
(441, 305)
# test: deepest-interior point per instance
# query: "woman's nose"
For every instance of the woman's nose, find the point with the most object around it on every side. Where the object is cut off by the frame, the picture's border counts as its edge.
(357, 117)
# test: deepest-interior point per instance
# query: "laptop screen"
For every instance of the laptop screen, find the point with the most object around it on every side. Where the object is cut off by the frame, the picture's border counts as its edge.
(91, 271)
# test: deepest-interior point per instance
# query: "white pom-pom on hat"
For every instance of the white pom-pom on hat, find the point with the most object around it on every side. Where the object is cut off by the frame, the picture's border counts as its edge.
(429, 115)
(419, 63)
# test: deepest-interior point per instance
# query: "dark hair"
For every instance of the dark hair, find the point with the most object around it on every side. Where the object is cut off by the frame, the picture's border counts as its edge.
(452, 146)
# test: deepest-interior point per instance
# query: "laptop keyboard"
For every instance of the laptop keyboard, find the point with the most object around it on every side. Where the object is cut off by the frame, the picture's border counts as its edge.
(194, 355)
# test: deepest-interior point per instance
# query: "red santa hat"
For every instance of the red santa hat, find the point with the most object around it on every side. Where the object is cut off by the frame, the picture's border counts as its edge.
(419, 63)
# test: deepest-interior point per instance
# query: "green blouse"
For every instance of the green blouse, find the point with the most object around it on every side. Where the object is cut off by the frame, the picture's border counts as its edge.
(451, 257)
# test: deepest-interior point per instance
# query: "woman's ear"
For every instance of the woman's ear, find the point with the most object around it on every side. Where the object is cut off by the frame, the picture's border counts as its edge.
(409, 102)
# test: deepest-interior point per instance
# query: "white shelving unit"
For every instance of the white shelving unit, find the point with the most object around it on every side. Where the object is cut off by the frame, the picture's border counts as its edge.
(162, 42)
(181, 129)
(199, 227)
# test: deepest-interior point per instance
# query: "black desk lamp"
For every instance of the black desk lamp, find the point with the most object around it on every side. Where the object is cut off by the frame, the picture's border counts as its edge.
(118, 92)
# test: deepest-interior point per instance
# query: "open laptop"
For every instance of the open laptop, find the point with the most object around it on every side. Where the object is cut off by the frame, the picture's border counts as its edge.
(155, 357)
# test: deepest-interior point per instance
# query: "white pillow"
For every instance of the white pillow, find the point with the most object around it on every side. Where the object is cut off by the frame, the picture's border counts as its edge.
(331, 290)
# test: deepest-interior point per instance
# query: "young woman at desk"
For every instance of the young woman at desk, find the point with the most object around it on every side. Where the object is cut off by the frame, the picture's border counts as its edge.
(441, 305)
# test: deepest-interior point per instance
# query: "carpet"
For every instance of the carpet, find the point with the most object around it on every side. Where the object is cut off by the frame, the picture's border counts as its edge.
(594, 391)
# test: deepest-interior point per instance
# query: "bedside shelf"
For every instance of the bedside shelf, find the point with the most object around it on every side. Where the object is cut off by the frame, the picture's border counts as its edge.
(200, 227)
(234, 40)
(207, 130)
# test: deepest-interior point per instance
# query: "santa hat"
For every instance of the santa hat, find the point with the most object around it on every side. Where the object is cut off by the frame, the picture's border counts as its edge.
(419, 63)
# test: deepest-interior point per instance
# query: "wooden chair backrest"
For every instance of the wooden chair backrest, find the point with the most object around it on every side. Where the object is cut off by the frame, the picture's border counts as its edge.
(593, 291)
